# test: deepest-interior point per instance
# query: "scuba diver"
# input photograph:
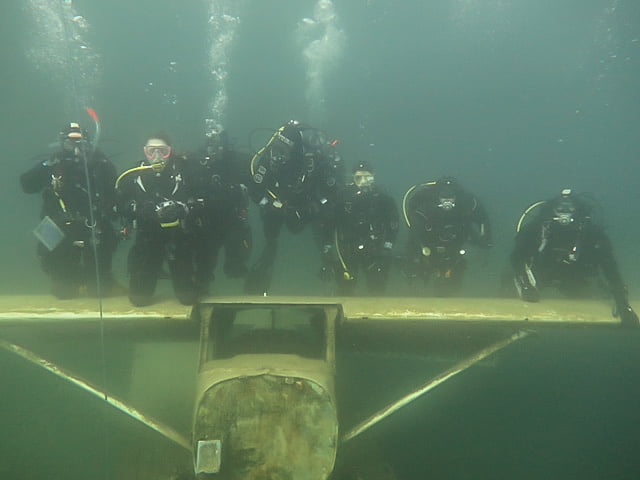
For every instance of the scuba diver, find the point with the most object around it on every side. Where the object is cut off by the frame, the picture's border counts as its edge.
(442, 217)
(155, 201)
(220, 199)
(295, 177)
(366, 229)
(563, 247)
(73, 181)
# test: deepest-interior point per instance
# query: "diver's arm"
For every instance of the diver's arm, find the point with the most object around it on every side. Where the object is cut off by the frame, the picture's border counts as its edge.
(258, 185)
(609, 265)
(392, 219)
(327, 184)
(613, 277)
(38, 177)
(521, 258)
(108, 179)
(481, 228)
(525, 246)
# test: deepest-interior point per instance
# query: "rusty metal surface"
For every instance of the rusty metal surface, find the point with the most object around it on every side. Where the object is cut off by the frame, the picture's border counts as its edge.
(270, 427)
(265, 364)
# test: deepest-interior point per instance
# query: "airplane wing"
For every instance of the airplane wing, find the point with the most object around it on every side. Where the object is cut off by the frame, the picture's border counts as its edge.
(152, 352)
(20, 309)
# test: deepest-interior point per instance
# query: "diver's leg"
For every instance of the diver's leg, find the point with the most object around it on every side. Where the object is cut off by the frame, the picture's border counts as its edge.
(337, 262)
(144, 264)
(417, 263)
(449, 276)
(206, 244)
(425, 271)
(377, 269)
(62, 266)
(237, 249)
(106, 246)
(259, 278)
(182, 269)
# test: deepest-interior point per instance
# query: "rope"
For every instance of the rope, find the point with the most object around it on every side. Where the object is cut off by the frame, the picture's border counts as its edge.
(74, 88)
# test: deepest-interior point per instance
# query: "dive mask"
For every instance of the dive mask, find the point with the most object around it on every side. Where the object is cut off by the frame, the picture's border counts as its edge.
(73, 146)
(564, 212)
(155, 153)
(279, 152)
(72, 138)
(363, 179)
(447, 203)
(73, 142)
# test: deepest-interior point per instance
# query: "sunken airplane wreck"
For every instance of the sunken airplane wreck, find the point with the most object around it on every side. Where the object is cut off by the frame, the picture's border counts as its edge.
(265, 402)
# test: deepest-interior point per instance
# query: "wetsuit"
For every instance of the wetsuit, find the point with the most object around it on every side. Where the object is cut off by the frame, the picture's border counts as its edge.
(62, 180)
(569, 257)
(221, 201)
(437, 235)
(366, 230)
(158, 206)
(294, 182)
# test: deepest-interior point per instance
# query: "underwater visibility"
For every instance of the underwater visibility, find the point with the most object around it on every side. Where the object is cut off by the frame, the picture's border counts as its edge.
(320, 239)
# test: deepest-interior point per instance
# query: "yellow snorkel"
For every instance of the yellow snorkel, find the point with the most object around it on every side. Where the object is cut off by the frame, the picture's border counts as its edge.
(277, 134)
(529, 208)
(406, 196)
(157, 167)
(346, 274)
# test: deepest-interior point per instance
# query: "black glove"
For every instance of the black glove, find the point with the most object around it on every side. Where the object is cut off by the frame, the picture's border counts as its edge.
(628, 318)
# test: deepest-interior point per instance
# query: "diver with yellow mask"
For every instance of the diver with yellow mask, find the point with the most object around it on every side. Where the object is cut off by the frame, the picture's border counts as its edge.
(153, 200)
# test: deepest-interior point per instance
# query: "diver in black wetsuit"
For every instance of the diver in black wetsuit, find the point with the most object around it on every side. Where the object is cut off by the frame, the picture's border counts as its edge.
(217, 178)
(366, 230)
(294, 181)
(442, 217)
(562, 246)
(156, 201)
(66, 249)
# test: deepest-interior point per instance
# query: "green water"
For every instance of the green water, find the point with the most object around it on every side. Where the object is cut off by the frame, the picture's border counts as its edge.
(517, 98)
